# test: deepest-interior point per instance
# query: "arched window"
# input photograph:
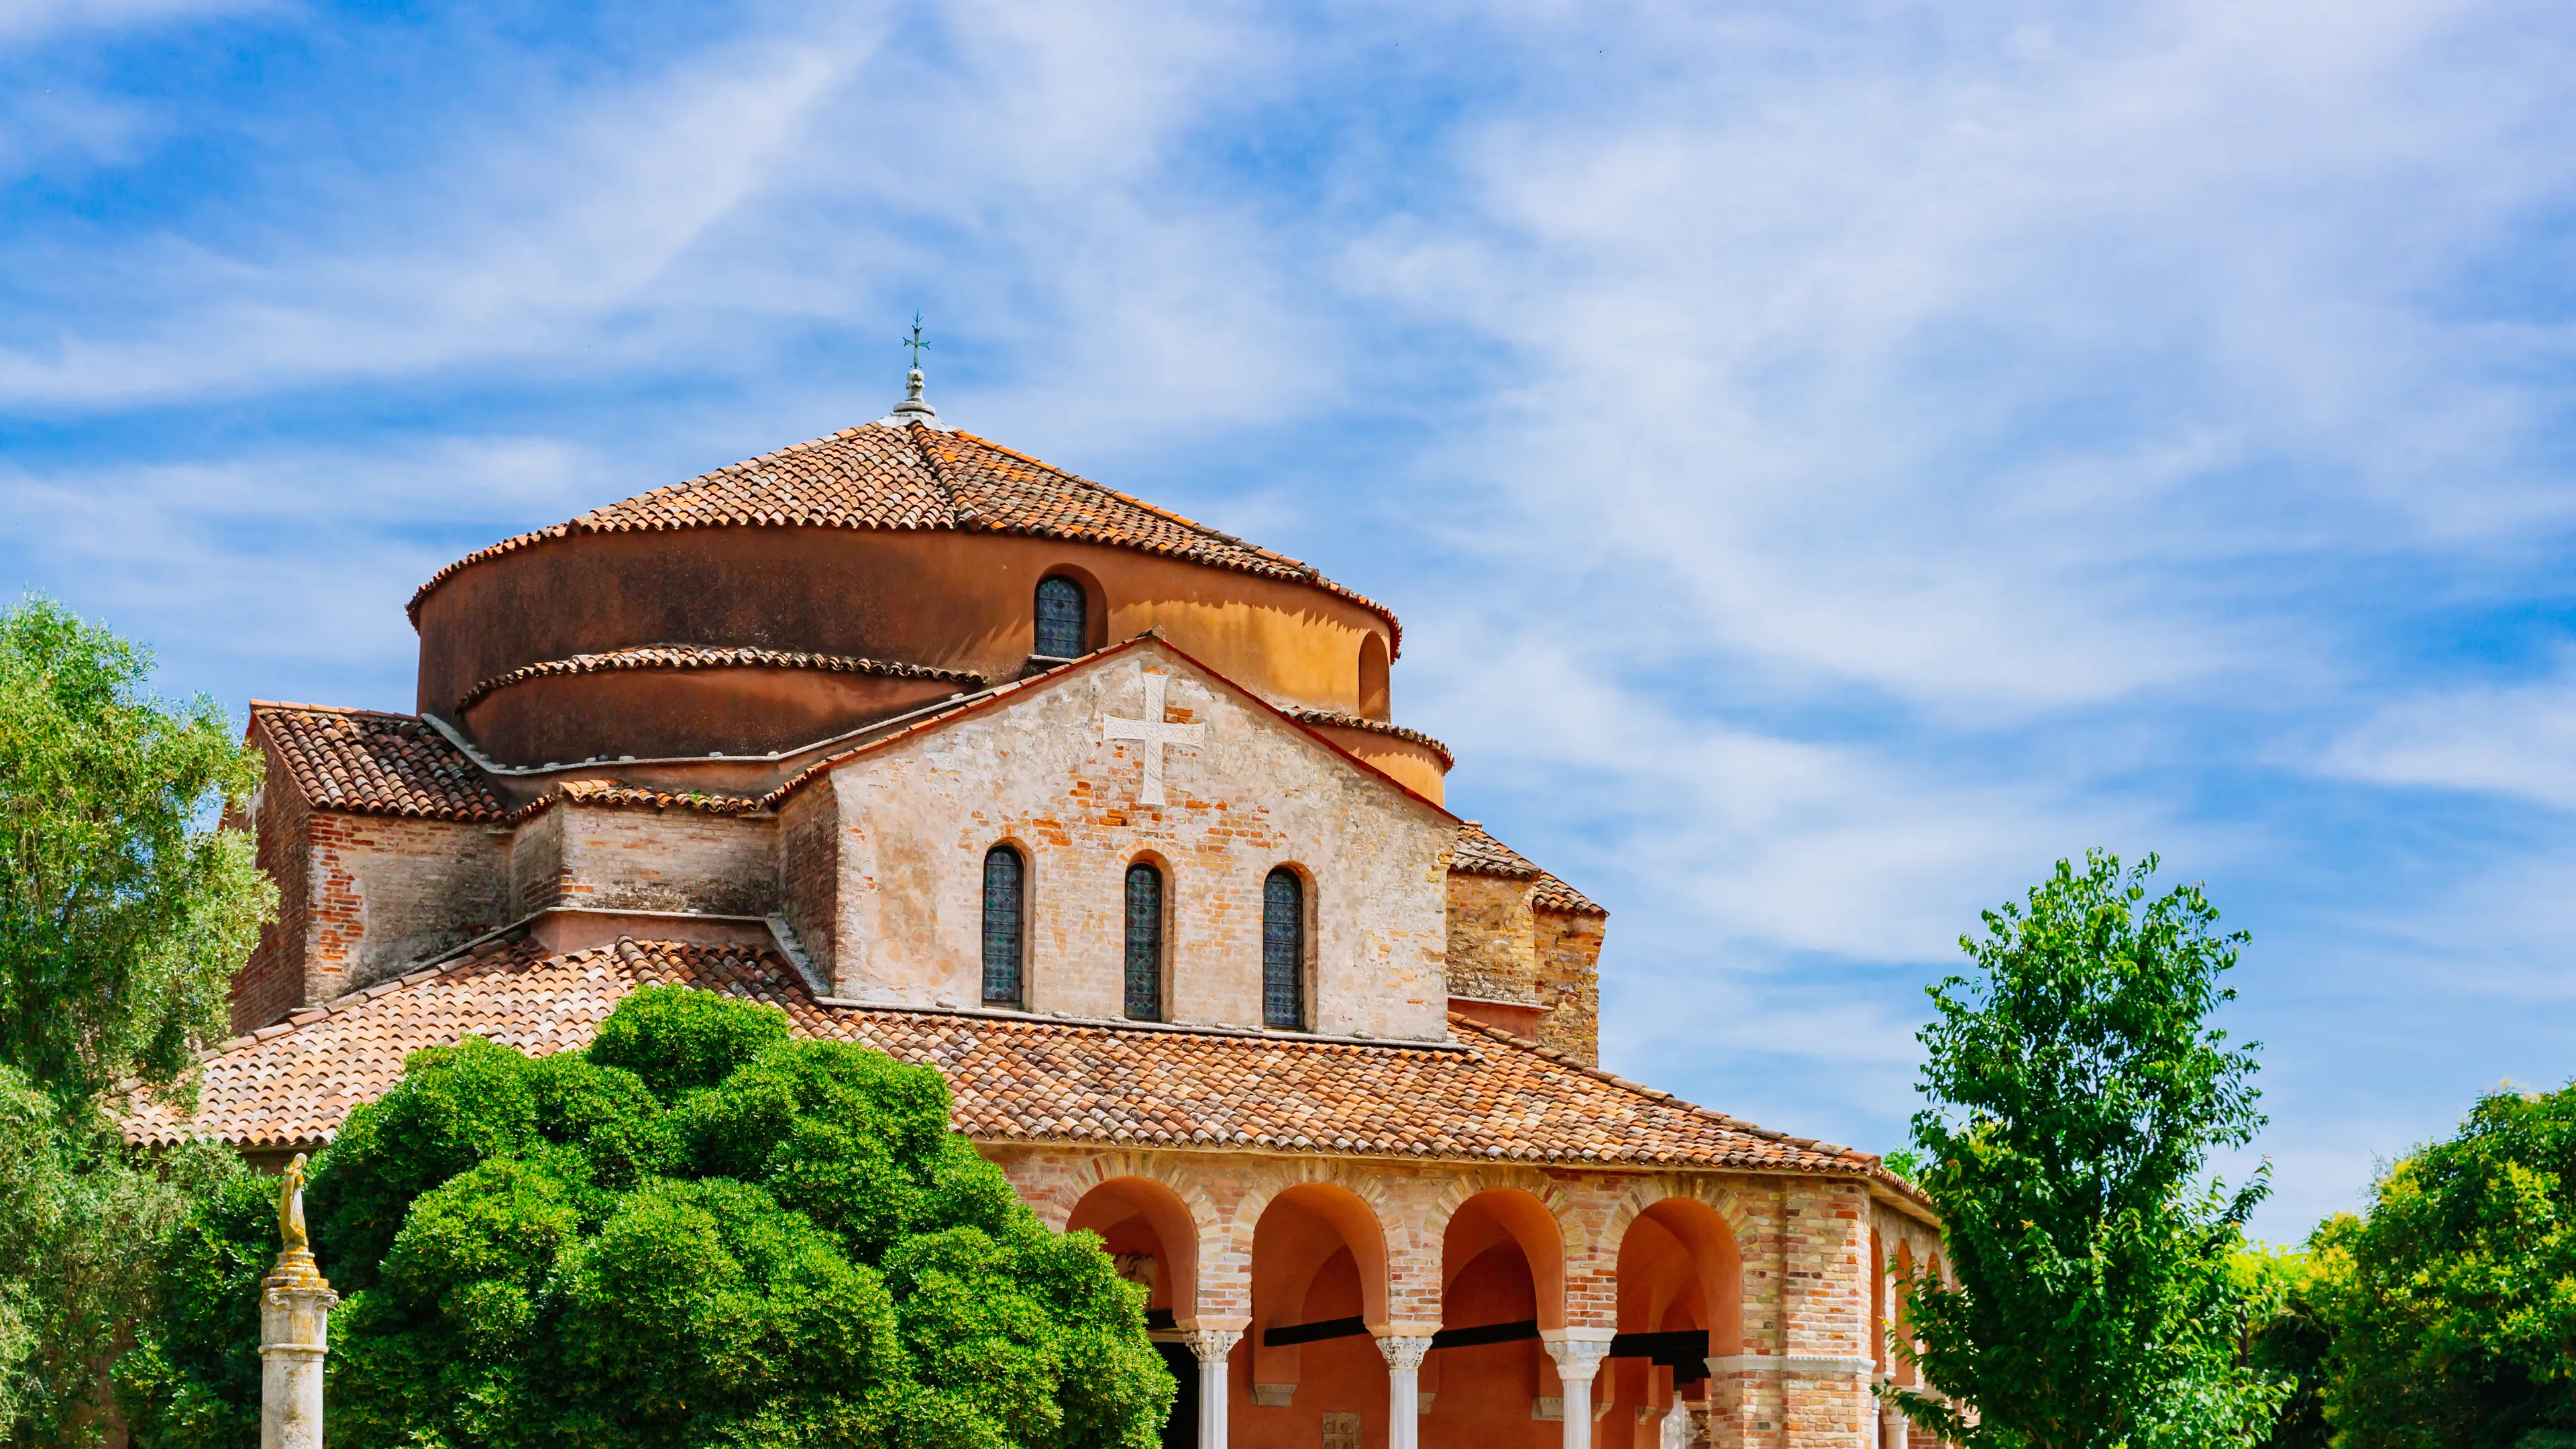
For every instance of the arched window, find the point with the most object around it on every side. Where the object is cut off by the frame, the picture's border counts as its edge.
(1283, 950)
(1144, 942)
(1005, 878)
(1062, 627)
(1373, 703)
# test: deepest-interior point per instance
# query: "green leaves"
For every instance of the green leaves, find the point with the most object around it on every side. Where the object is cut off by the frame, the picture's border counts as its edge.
(697, 1233)
(2454, 1313)
(124, 911)
(2075, 1092)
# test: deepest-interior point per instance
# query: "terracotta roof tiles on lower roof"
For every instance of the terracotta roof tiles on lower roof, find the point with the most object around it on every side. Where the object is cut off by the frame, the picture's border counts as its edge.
(1479, 853)
(691, 656)
(890, 476)
(1482, 1095)
(370, 763)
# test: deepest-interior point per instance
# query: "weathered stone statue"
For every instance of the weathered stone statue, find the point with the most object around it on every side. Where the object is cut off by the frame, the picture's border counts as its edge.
(294, 1318)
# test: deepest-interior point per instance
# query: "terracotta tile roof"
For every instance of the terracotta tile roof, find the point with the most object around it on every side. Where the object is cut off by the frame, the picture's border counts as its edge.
(1487, 1095)
(376, 764)
(681, 656)
(1339, 720)
(1479, 853)
(914, 477)
(614, 794)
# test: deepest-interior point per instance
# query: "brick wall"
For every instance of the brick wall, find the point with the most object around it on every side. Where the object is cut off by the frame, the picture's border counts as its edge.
(809, 866)
(385, 894)
(628, 858)
(1800, 1243)
(272, 983)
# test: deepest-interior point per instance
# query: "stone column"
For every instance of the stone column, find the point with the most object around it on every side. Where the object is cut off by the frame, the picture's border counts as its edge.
(1403, 1408)
(1214, 1348)
(1892, 1425)
(1578, 1353)
(295, 1305)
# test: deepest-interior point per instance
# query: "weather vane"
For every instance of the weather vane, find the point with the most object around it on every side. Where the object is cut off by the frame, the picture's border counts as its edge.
(914, 342)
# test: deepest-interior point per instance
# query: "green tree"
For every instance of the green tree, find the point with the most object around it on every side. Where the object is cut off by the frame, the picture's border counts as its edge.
(124, 912)
(2075, 1092)
(695, 1232)
(2455, 1323)
(2284, 1333)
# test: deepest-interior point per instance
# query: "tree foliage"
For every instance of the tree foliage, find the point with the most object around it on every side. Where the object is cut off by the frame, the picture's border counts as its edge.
(2455, 1323)
(124, 911)
(2285, 1334)
(697, 1232)
(2075, 1092)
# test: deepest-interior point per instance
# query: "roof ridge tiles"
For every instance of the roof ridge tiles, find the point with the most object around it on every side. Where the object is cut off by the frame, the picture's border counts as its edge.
(910, 482)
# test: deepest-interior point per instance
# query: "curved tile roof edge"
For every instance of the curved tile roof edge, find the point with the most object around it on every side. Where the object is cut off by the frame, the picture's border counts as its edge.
(1340, 720)
(699, 656)
(1273, 564)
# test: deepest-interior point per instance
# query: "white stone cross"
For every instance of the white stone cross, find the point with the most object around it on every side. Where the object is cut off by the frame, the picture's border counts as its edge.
(1156, 732)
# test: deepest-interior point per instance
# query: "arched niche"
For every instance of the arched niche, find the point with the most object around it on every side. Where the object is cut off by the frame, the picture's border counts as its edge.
(1139, 1217)
(1502, 1271)
(1681, 1302)
(1318, 1289)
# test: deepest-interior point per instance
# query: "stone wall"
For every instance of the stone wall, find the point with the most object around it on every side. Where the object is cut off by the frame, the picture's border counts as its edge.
(1493, 941)
(1033, 771)
(1569, 982)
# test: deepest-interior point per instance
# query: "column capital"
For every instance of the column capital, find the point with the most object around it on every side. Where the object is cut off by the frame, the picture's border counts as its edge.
(1403, 1350)
(1211, 1345)
(1576, 1358)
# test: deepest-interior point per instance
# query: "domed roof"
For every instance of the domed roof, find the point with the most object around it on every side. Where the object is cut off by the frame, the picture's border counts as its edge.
(915, 476)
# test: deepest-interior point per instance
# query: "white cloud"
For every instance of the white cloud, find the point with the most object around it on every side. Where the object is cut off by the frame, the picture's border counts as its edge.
(2517, 740)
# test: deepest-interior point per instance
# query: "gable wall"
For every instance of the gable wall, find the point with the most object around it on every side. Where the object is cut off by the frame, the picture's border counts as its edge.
(917, 817)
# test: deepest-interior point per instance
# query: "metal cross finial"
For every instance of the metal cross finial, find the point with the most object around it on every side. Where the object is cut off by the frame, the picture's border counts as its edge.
(914, 342)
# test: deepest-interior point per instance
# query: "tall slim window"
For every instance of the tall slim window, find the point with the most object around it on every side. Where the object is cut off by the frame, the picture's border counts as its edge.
(1060, 618)
(1005, 879)
(1144, 942)
(1283, 950)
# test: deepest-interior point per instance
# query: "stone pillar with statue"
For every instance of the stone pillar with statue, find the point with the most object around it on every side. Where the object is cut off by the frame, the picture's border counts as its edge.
(295, 1303)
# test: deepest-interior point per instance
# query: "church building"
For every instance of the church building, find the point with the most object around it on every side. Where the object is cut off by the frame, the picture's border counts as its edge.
(1104, 814)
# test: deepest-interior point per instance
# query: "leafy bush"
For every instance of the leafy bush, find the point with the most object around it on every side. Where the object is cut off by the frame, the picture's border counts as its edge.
(2455, 1315)
(696, 1232)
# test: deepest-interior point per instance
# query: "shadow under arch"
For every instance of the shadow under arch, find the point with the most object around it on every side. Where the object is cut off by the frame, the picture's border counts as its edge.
(1502, 1283)
(1319, 1291)
(1138, 1217)
(1681, 1303)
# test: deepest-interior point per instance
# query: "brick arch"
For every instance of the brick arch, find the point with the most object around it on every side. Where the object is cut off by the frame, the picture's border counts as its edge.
(1551, 1194)
(1281, 1174)
(1648, 1191)
(1084, 1174)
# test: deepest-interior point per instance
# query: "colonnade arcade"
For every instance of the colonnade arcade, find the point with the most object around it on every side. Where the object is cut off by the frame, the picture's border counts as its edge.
(1321, 1301)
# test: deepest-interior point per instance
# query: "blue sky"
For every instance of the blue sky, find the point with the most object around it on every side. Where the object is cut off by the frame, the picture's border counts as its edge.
(1831, 459)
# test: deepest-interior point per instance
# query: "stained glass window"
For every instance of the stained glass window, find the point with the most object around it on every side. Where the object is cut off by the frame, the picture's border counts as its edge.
(1144, 942)
(1060, 618)
(1004, 874)
(1283, 950)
